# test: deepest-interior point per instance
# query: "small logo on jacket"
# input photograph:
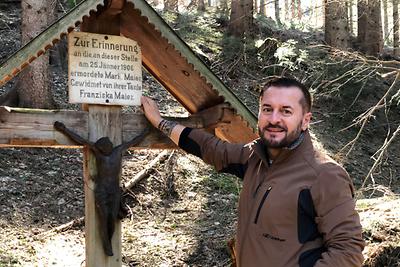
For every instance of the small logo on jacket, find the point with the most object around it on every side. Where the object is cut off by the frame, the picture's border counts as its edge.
(273, 237)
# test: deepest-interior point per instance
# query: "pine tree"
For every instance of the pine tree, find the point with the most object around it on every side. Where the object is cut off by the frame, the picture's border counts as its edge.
(374, 35)
(287, 10)
(336, 29)
(33, 86)
(350, 17)
(385, 21)
(241, 19)
(171, 5)
(396, 49)
(277, 11)
(262, 10)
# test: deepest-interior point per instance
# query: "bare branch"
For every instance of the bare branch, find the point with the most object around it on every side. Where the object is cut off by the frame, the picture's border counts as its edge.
(381, 151)
(363, 118)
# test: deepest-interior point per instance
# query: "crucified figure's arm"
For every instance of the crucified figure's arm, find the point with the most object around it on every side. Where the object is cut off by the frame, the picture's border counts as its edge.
(134, 141)
(74, 136)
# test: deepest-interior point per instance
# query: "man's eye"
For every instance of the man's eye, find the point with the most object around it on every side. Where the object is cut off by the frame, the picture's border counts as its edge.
(287, 112)
(267, 110)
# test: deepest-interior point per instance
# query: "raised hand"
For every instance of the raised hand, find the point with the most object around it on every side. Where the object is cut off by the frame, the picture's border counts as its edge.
(151, 110)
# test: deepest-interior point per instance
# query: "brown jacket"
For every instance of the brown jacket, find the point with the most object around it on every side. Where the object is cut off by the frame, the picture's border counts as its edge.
(295, 211)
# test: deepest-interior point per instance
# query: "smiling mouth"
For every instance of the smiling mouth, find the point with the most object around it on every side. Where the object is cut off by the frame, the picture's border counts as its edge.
(275, 130)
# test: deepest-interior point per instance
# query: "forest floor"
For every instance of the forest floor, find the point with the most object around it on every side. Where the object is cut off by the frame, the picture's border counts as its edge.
(184, 213)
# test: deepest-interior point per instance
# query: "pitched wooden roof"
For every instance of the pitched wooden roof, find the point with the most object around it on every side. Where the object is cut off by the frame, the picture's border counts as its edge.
(164, 54)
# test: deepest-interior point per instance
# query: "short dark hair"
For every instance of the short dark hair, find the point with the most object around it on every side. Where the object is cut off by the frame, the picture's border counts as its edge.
(306, 101)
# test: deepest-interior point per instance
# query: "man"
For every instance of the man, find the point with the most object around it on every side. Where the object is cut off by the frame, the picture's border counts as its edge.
(296, 207)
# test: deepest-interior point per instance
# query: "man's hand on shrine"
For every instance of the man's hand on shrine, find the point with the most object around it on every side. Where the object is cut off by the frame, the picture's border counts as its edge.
(59, 125)
(151, 110)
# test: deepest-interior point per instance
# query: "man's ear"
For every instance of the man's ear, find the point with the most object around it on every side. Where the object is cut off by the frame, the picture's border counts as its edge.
(306, 121)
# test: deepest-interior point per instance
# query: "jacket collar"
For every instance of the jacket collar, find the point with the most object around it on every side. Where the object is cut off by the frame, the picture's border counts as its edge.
(301, 143)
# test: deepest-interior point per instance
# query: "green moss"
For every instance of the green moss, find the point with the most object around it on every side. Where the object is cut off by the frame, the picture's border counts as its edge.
(223, 183)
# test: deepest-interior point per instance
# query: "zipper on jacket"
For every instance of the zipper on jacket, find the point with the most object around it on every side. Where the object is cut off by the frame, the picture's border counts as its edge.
(258, 187)
(262, 203)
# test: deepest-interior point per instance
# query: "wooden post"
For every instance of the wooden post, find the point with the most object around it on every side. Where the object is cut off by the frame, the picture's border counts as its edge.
(103, 121)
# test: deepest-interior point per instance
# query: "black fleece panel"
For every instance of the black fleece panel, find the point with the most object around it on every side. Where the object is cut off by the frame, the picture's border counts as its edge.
(309, 258)
(188, 144)
(306, 225)
(236, 169)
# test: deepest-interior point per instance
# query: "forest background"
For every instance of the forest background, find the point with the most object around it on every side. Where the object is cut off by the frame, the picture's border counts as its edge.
(183, 213)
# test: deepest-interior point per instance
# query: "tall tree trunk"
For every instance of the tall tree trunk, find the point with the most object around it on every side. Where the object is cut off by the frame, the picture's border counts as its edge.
(293, 9)
(241, 19)
(299, 10)
(33, 86)
(350, 17)
(235, 27)
(277, 11)
(263, 8)
(315, 13)
(248, 16)
(396, 49)
(323, 13)
(201, 6)
(374, 35)
(171, 5)
(287, 10)
(385, 21)
(362, 19)
(336, 31)
(256, 6)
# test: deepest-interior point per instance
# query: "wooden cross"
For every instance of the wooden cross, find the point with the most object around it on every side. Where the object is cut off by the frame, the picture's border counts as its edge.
(34, 128)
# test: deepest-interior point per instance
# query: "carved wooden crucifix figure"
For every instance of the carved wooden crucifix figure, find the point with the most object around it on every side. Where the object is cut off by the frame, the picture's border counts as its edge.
(107, 190)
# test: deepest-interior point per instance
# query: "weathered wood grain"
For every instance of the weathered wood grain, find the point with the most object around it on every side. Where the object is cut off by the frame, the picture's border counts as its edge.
(102, 121)
(34, 128)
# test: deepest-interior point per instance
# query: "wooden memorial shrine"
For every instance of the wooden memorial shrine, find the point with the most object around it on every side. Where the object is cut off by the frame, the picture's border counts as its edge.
(105, 82)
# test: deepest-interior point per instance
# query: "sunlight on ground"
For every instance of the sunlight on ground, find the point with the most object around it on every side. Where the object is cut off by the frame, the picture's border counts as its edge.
(378, 211)
(379, 219)
(186, 163)
(155, 239)
(61, 250)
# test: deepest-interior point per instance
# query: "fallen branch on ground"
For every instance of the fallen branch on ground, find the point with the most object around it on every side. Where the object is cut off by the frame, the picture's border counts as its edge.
(146, 171)
(63, 227)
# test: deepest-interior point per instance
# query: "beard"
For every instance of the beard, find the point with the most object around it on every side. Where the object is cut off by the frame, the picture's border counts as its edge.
(288, 139)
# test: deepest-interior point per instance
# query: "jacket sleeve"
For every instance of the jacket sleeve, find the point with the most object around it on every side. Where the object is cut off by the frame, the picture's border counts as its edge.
(224, 156)
(337, 219)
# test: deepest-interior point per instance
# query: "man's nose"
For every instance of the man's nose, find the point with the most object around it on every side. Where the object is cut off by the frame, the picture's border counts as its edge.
(274, 117)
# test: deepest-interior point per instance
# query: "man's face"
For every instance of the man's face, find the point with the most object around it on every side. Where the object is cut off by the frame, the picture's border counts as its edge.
(281, 118)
